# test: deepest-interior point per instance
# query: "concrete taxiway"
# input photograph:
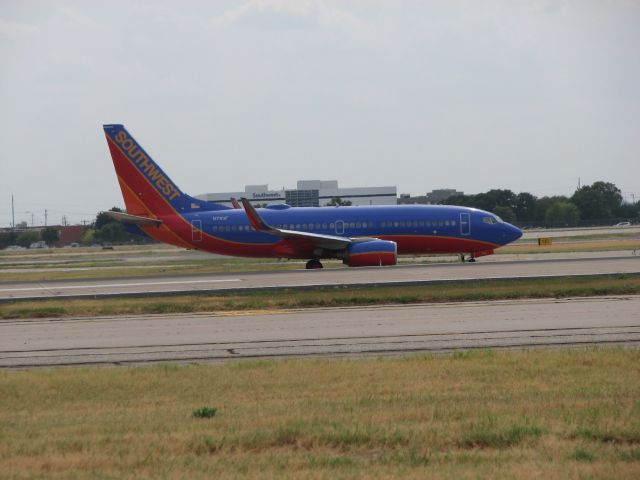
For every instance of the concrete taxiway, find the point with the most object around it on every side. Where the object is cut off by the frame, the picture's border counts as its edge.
(398, 275)
(384, 330)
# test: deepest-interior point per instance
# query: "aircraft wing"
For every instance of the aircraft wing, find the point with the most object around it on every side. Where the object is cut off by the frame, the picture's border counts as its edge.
(331, 242)
(135, 219)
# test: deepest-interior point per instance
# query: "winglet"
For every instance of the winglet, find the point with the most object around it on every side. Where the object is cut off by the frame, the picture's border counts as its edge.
(254, 218)
(235, 203)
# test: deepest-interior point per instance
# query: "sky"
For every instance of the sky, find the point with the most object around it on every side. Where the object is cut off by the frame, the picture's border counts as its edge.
(531, 96)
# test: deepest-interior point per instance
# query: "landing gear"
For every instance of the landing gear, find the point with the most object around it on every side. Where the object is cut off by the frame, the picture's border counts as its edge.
(472, 258)
(313, 264)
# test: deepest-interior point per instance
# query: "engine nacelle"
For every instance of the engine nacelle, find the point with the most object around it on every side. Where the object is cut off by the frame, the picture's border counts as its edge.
(372, 253)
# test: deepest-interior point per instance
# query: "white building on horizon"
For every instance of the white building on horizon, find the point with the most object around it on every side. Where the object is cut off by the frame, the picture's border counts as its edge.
(309, 193)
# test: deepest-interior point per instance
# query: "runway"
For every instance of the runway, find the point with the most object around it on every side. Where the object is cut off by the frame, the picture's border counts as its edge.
(398, 275)
(386, 330)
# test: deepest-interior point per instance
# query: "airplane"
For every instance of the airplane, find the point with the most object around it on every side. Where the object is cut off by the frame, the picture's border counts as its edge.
(359, 236)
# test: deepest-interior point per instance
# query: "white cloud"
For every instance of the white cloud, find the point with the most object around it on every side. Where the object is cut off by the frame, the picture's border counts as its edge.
(287, 14)
(16, 29)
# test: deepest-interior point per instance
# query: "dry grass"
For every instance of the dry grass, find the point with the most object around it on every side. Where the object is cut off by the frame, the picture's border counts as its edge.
(486, 414)
(574, 246)
(329, 297)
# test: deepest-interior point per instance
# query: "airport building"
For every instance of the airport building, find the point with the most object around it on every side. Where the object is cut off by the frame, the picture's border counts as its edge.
(309, 193)
(432, 198)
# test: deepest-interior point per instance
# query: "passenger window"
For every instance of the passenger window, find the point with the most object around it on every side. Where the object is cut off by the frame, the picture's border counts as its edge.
(352, 225)
(395, 224)
(324, 226)
(358, 225)
(453, 222)
(332, 225)
(446, 222)
(421, 223)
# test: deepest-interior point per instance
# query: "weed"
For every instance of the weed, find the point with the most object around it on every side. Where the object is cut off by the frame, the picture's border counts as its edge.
(487, 435)
(205, 412)
(581, 455)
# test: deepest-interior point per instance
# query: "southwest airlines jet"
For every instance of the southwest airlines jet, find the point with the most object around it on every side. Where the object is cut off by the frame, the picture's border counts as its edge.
(359, 236)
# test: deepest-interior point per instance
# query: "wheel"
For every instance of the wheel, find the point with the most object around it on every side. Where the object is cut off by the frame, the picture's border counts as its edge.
(313, 264)
(472, 260)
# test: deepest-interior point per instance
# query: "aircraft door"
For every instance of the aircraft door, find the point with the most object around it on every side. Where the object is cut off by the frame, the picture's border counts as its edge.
(196, 230)
(339, 227)
(465, 224)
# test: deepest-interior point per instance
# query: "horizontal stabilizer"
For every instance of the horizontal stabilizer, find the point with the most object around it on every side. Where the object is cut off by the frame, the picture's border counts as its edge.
(134, 219)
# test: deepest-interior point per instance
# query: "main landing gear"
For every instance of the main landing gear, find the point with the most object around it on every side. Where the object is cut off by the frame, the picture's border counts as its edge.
(472, 258)
(313, 264)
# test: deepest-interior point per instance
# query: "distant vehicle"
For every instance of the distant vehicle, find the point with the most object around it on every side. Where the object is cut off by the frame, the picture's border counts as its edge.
(623, 224)
(107, 246)
(75, 244)
(40, 244)
(15, 247)
(359, 236)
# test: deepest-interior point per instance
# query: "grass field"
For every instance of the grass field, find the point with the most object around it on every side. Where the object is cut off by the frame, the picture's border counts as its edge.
(145, 260)
(329, 297)
(483, 414)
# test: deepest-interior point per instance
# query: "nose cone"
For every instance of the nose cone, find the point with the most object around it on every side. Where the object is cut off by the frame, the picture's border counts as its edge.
(511, 233)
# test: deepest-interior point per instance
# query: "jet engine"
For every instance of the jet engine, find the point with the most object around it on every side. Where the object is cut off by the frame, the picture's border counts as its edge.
(372, 253)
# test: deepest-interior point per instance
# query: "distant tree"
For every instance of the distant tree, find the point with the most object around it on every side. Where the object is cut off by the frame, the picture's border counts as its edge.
(543, 204)
(505, 213)
(111, 232)
(338, 202)
(525, 207)
(27, 237)
(50, 235)
(7, 238)
(102, 218)
(602, 200)
(87, 236)
(564, 214)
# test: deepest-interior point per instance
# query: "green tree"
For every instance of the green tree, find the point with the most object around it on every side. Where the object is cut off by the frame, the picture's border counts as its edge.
(602, 200)
(102, 218)
(27, 237)
(7, 238)
(525, 207)
(50, 235)
(562, 214)
(505, 213)
(111, 232)
(543, 204)
(87, 236)
(338, 202)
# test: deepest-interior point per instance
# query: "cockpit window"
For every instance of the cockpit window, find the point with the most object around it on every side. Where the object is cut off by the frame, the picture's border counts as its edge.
(489, 220)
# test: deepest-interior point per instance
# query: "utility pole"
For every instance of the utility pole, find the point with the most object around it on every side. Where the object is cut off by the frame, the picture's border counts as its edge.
(32, 219)
(45, 217)
(13, 214)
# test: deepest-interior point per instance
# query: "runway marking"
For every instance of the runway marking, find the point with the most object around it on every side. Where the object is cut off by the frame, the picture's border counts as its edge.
(138, 284)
